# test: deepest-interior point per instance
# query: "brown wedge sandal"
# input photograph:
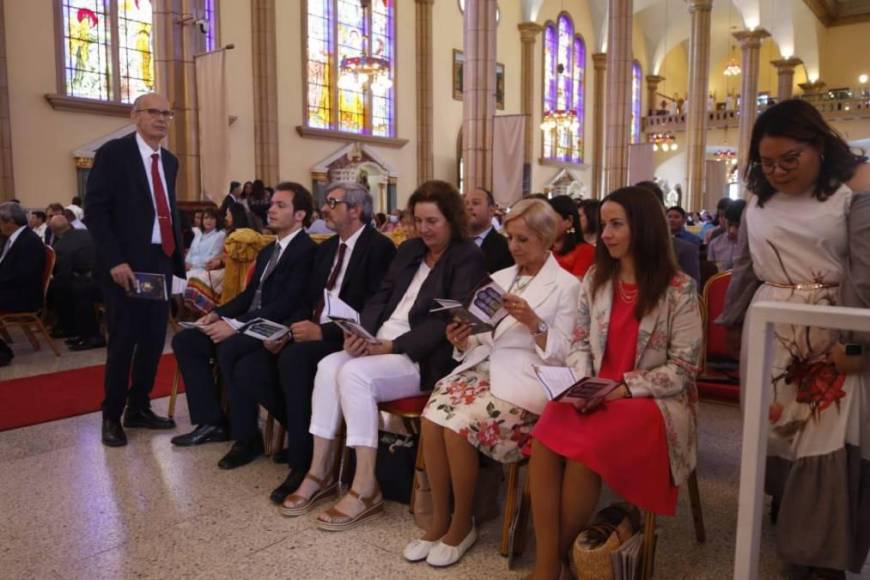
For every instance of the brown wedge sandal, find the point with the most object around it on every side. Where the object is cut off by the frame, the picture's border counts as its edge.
(307, 506)
(341, 521)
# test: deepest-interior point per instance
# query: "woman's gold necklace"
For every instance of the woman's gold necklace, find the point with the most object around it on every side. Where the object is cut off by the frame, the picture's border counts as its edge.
(627, 296)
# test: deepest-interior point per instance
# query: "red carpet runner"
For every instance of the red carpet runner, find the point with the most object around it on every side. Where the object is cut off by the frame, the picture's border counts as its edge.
(53, 396)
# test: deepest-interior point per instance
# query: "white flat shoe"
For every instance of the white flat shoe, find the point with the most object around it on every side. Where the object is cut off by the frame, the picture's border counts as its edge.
(442, 555)
(417, 550)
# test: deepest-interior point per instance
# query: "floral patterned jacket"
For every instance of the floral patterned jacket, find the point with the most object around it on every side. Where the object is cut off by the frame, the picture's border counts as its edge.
(669, 347)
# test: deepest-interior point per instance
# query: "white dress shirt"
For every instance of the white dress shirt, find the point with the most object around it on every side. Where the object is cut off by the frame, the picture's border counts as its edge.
(399, 323)
(282, 245)
(478, 239)
(336, 290)
(10, 241)
(146, 152)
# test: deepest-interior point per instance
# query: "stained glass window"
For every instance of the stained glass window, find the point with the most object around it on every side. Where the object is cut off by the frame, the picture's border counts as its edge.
(97, 34)
(210, 16)
(340, 29)
(636, 81)
(564, 87)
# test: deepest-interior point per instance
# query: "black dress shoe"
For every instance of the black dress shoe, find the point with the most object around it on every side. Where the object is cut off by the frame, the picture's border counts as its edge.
(88, 343)
(59, 333)
(241, 453)
(281, 456)
(72, 340)
(202, 434)
(146, 419)
(113, 433)
(290, 485)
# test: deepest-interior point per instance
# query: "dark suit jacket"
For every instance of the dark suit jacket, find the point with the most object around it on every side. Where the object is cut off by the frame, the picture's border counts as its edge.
(496, 252)
(119, 210)
(75, 254)
(368, 264)
(688, 259)
(21, 274)
(458, 272)
(284, 297)
(226, 203)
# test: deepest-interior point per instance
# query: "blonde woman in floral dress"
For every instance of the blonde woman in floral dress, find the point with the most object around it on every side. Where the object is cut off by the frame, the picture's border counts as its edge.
(799, 244)
(492, 399)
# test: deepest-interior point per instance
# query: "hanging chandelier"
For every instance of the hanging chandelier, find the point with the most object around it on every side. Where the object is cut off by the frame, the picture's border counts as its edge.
(725, 156)
(733, 69)
(365, 70)
(560, 118)
(663, 141)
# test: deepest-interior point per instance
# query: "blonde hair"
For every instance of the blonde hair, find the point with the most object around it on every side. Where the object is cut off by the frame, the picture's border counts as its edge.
(539, 217)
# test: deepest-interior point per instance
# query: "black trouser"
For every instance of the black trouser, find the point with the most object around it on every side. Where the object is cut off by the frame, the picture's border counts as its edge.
(283, 385)
(137, 332)
(196, 354)
(74, 300)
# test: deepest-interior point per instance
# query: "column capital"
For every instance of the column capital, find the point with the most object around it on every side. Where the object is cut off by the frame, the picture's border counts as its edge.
(700, 5)
(751, 38)
(654, 79)
(813, 88)
(427, 2)
(599, 60)
(786, 65)
(529, 31)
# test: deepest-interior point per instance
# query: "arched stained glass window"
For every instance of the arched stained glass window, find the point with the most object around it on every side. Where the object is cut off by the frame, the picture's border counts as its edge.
(636, 84)
(564, 88)
(108, 48)
(336, 30)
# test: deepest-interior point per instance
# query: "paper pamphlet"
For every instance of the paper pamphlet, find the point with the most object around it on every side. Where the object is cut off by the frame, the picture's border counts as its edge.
(485, 309)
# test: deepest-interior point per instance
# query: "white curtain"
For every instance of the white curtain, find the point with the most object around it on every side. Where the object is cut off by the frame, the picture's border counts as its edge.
(507, 158)
(214, 131)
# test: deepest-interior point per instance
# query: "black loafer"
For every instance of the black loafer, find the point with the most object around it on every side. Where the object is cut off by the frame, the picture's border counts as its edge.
(88, 343)
(290, 485)
(146, 419)
(202, 434)
(241, 453)
(72, 340)
(113, 433)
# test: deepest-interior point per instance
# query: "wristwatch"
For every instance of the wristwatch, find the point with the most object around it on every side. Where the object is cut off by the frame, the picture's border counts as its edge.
(541, 330)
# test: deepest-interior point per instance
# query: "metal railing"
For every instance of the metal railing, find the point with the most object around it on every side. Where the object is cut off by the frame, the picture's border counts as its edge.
(761, 318)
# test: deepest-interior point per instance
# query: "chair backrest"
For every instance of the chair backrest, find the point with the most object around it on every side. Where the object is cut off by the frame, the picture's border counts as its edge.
(50, 258)
(714, 304)
(250, 274)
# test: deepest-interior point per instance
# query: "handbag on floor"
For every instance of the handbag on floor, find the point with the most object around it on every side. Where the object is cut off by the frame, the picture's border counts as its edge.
(397, 455)
(591, 554)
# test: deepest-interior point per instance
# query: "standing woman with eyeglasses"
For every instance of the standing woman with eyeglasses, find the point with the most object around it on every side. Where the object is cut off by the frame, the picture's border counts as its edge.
(803, 241)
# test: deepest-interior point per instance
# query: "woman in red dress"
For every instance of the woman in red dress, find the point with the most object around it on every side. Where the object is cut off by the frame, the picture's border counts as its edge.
(570, 249)
(638, 324)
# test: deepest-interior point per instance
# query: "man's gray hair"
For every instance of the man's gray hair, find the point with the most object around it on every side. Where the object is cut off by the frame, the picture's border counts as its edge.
(355, 195)
(13, 212)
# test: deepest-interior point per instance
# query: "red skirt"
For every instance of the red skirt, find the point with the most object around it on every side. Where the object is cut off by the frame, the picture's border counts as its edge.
(624, 442)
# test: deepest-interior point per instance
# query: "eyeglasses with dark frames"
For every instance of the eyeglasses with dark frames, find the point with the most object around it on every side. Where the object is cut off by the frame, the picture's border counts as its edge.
(332, 202)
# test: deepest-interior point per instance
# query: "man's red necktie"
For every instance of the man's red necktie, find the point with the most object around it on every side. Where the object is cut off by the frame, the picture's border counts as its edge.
(167, 238)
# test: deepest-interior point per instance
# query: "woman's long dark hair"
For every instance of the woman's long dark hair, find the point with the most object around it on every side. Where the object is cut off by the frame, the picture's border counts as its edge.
(591, 208)
(449, 203)
(565, 207)
(258, 190)
(798, 120)
(240, 216)
(651, 248)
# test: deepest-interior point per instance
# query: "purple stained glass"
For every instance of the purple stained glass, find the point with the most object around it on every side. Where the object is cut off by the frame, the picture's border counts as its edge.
(211, 18)
(579, 99)
(549, 82)
(636, 80)
(87, 66)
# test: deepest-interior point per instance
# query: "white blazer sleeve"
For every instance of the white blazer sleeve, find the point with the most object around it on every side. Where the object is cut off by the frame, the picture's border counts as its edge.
(561, 324)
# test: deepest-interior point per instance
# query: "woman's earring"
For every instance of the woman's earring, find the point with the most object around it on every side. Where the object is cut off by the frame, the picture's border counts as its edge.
(570, 230)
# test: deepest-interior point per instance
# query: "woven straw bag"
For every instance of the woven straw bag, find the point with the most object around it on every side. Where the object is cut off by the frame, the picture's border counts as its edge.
(612, 526)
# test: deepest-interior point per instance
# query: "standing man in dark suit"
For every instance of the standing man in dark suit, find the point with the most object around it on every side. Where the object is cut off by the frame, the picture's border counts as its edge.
(349, 266)
(234, 196)
(22, 265)
(132, 216)
(278, 292)
(480, 206)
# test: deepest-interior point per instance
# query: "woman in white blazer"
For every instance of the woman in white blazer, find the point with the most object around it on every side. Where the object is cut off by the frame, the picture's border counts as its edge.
(492, 399)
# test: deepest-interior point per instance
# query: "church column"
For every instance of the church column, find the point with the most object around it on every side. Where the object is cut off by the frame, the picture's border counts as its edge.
(599, 63)
(7, 182)
(528, 33)
(617, 114)
(175, 42)
(696, 114)
(785, 76)
(425, 116)
(265, 91)
(652, 91)
(478, 92)
(750, 43)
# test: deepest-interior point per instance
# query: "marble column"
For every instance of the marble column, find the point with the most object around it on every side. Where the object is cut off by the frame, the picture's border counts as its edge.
(528, 34)
(617, 114)
(599, 64)
(652, 92)
(175, 43)
(785, 76)
(7, 181)
(425, 115)
(478, 92)
(696, 106)
(750, 43)
(265, 91)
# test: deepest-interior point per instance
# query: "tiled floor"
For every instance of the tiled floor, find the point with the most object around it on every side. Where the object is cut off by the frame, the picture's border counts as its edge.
(71, 508)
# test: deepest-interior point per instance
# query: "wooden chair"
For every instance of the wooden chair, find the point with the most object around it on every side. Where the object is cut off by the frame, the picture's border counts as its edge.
(31, 322)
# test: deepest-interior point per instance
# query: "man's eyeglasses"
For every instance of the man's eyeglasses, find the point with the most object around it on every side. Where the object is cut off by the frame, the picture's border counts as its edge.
(787, 163)
(332, 202)
(158, 113)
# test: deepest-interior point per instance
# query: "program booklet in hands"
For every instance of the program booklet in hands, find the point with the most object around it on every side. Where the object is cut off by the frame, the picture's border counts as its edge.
(148, 286)
(346, 318)
(562, 384)
(485, 309)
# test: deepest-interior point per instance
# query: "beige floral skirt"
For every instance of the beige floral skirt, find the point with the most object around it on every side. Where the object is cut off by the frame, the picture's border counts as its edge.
(463, 403)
